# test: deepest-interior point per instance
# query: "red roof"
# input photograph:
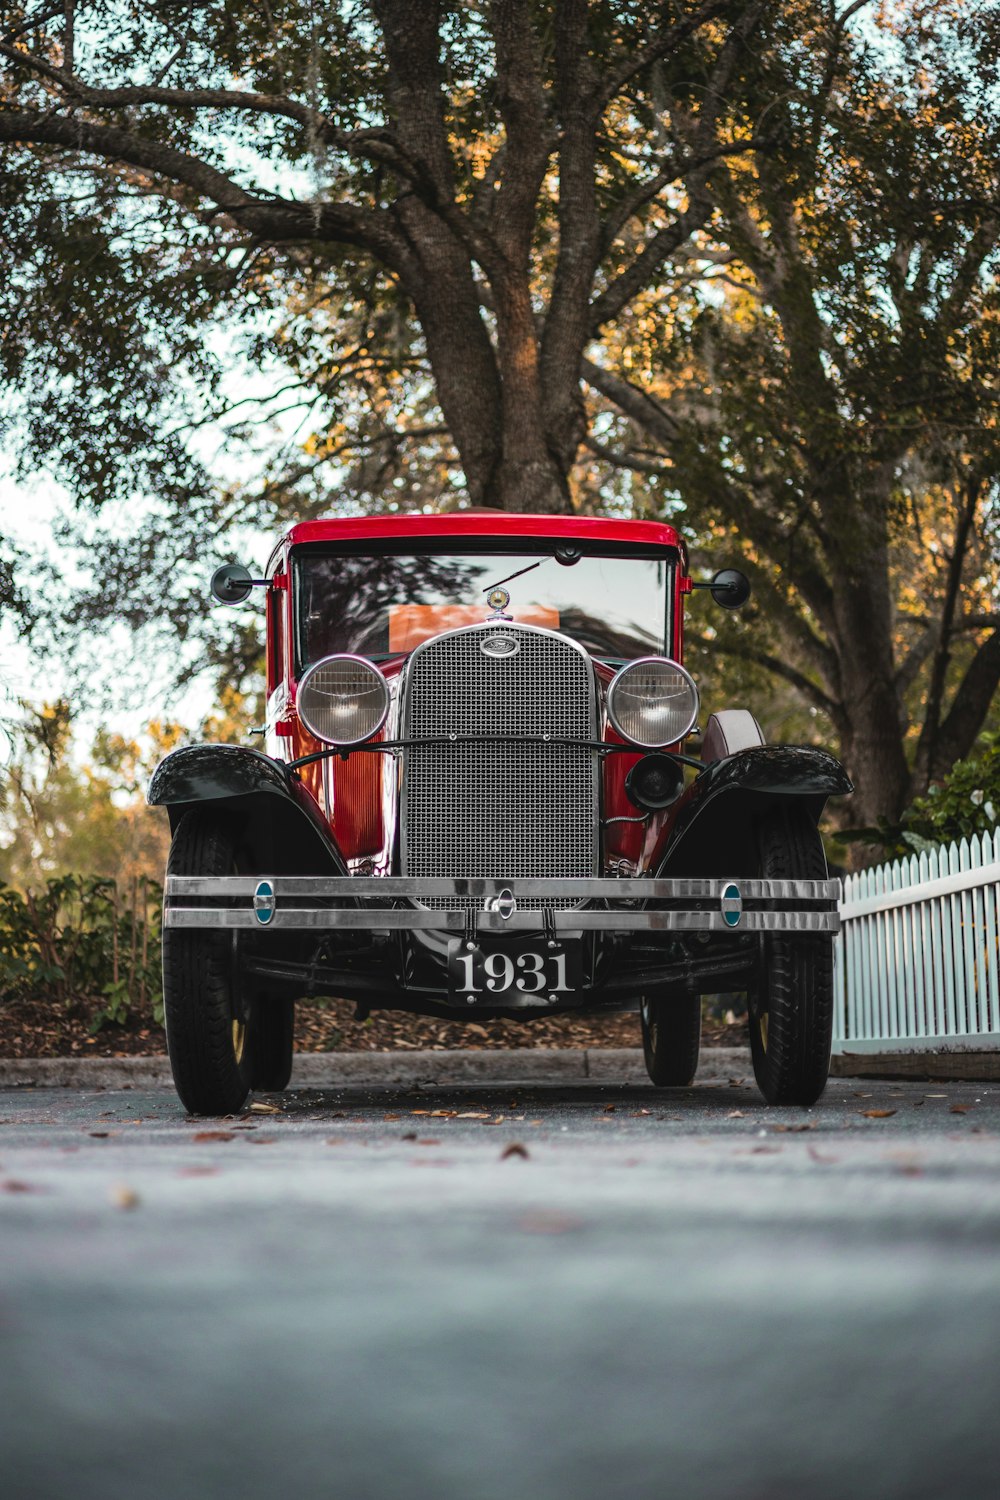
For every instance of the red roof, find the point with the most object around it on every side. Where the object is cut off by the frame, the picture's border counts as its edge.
(486, 523)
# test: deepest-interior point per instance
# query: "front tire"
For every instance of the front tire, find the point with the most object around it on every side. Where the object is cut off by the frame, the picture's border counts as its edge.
(207, 1015)
(791, 1000)
(671, 1037)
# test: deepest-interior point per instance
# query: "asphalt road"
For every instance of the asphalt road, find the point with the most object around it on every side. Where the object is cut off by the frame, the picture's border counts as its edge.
(678, 1294)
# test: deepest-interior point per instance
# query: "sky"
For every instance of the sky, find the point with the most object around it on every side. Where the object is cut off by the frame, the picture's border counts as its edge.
(124, 689)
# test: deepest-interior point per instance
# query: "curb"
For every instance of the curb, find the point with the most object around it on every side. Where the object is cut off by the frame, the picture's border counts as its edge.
(610, 1065)
(328, 1069)
(932, 1067)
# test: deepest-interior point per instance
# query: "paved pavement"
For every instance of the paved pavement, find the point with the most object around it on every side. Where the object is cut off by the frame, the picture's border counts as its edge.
(536, 1290)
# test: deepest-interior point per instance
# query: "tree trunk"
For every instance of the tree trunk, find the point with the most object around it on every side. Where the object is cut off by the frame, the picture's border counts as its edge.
(532, 477)
(873, 743)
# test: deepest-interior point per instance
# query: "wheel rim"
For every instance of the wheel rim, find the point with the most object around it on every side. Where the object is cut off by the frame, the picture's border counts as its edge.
(239, 1025)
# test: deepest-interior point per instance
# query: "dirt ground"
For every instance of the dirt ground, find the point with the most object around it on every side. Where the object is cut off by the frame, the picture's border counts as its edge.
(40, 1029)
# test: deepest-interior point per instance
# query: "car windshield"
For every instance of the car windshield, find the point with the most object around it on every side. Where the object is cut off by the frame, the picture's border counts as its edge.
(614, 606)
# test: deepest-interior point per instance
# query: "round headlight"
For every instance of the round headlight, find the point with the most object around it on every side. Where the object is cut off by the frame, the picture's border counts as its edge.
(343, 700)
(653, 702)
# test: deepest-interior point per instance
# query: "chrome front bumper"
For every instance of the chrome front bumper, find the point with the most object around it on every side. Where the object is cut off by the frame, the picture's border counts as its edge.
(284, 903)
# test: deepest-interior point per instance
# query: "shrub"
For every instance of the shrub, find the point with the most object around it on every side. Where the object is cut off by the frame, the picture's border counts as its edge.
(81, 939)
(965, 802)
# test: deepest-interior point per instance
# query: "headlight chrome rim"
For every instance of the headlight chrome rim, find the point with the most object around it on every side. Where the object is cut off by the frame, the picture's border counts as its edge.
(677, 733)
(308, 681)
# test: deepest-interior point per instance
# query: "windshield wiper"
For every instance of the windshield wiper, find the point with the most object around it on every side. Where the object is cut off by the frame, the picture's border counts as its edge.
(530, 568)
(566, 556)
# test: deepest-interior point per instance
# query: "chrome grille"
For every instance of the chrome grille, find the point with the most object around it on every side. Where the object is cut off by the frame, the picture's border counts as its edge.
(500, 808)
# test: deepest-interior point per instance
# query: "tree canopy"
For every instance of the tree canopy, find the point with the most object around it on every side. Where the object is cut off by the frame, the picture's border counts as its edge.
(728, 255)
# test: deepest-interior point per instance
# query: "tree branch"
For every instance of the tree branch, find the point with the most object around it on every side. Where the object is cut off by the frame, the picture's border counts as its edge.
(660, 45)
(271, 218)
(969, 708)
(30, 22)
(706, 148)
(754, 521)
(634, 461)
(378, 144)
(943, 629)
(780, 668)
(635, 403)
(644, 267)
(646, 191)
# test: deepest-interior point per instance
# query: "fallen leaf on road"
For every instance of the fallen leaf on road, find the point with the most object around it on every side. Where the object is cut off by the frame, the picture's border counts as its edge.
(610, 1108)
(205, 1171)
(808, 1126)
(876, 1114)
(390, 1117)
(857, 1095)
(765, 1150)
(122, 1196)
(736, 1114)
(410, 1135)
(473, 1115)
(213, 1135)
(818, 1156)
(545, 1222)
(514, 1149)
(265, 1109)
(12, 1185)
(960, 1109)
(100, 1135)
(427, 1141)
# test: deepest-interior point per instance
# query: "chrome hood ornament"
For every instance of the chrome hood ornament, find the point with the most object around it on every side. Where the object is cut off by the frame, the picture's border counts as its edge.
(498, 600)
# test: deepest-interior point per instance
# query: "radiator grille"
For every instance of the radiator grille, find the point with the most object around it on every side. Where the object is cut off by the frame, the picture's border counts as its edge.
(500, 809)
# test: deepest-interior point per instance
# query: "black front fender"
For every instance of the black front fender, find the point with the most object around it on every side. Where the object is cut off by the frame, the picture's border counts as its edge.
(279, 824)
(713, 830)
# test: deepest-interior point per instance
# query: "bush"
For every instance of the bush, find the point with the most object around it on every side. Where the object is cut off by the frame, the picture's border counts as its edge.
(81, 939)
(966, 802)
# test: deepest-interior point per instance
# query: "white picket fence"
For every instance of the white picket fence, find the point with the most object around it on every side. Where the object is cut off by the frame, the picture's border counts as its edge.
(918, 966)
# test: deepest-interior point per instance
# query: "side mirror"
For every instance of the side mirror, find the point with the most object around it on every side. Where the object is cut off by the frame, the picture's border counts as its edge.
(730, 588)
(231, 583)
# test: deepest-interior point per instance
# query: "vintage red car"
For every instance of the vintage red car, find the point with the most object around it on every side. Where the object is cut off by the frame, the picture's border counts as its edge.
(474, 800)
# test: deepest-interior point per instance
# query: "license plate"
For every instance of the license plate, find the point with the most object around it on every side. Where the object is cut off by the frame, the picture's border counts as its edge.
(512, 973)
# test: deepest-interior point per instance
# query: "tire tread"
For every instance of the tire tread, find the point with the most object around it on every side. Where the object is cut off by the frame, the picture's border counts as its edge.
(799, 974)
(197, 983)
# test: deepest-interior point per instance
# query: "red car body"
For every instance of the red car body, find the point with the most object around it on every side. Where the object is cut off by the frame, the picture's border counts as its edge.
(496, 843)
